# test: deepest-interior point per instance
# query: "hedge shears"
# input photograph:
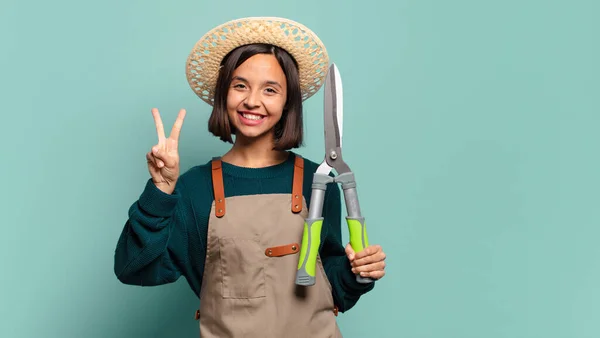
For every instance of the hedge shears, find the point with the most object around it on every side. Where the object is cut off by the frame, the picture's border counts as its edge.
(311, 238)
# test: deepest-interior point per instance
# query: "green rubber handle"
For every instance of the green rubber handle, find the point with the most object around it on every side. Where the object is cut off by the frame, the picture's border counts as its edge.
(358, 240)
(311, 241)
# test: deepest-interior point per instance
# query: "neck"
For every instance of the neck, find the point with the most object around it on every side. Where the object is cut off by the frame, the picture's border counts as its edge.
(255, 153)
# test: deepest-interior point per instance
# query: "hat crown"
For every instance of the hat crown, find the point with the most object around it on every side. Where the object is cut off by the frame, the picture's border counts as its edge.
(301, 43)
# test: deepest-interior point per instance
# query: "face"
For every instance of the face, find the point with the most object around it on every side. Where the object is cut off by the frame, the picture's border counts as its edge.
(256, 96)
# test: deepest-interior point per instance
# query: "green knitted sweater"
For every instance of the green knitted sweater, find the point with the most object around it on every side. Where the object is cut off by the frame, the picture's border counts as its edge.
(164, 237)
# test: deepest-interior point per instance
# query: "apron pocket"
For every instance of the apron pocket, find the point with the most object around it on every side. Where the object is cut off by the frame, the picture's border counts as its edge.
(242, 268)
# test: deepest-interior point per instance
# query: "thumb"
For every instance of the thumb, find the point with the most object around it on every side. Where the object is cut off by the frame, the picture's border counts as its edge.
(158, 156)
(349, 252)
(162, 157)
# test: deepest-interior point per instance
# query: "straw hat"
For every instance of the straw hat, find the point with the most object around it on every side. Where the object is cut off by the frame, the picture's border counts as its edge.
(204, 61)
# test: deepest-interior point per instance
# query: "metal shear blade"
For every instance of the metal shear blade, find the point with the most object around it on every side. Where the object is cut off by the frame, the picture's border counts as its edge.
(334, 115)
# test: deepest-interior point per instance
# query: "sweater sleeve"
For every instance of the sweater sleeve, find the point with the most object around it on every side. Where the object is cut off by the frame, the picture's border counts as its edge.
(346, 290)
(145, 252)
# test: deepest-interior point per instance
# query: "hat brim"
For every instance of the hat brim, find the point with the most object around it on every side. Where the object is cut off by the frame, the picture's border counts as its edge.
(204, 61)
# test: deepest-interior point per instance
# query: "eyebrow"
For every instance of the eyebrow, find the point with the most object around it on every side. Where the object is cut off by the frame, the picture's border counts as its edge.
(270, 82)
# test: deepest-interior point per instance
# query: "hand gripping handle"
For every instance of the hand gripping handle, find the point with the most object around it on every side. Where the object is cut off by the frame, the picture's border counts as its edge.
(356, 223)
(311, 237)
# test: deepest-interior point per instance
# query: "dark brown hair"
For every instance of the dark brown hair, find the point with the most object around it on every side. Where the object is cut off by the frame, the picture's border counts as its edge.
(289, 130)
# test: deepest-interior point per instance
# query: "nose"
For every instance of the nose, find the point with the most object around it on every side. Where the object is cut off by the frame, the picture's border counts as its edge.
(252, 100)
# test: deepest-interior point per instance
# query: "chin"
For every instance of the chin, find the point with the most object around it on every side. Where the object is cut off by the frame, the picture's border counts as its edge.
(252, 129)
(252, 133)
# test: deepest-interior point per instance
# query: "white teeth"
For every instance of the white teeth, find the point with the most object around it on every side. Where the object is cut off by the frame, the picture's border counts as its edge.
(252, 116)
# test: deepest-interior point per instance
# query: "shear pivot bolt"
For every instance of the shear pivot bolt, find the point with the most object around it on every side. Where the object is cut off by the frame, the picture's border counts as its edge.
(333, 155)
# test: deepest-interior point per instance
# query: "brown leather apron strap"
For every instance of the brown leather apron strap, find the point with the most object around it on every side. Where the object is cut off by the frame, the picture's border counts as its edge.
(218, 188)
(297, 185)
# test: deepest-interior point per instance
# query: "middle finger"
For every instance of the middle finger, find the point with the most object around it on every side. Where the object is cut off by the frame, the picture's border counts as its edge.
(369, 259)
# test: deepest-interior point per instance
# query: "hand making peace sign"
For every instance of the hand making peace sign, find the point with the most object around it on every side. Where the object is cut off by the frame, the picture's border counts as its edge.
(163, 158)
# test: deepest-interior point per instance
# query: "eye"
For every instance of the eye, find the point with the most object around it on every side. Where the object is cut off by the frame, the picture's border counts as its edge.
(271, 90)
(239, 86)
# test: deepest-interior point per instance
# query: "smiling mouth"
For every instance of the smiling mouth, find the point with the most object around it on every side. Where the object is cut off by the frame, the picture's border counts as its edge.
(251, 116)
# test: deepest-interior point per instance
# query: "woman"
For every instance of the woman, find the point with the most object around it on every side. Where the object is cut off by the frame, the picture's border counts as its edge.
(229, 226)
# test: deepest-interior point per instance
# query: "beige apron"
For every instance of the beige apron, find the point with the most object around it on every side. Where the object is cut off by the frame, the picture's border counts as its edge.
(248, 288)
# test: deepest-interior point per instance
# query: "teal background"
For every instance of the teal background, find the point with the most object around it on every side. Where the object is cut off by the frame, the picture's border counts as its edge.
(480, 178)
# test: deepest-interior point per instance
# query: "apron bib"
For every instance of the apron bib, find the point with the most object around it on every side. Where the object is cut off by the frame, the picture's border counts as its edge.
(248, 288)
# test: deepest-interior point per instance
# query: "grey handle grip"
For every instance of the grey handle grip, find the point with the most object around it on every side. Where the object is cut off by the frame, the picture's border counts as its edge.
(311, 237)
(356, 223)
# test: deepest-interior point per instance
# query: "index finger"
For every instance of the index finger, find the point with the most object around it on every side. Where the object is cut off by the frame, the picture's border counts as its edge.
(160, 130)
(368, 251)
(176, 130)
